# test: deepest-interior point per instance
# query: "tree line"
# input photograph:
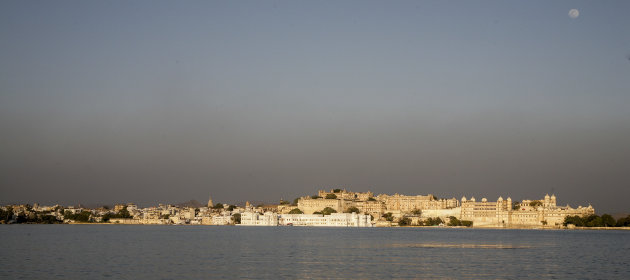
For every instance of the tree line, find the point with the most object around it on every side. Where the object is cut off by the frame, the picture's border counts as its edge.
(605, 220)
(27, 218)
(453, 221)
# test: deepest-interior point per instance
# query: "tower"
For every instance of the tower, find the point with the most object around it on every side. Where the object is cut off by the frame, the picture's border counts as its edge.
(547, 200)
(210, 204)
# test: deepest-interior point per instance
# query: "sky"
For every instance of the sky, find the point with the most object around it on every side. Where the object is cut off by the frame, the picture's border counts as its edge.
(167, 101)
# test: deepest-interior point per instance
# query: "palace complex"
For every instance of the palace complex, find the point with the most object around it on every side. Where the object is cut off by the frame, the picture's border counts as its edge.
(506, 213)
(337, 207)
(482, 213)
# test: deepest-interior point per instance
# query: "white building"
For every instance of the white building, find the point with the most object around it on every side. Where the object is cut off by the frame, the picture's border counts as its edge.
(332, 220)
(256, 219)
(222, 219)
(444, 214)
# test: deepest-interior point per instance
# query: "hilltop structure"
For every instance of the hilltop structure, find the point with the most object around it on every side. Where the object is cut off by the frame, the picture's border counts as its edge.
(505, 213)
(500, 213)
(337, 207)
(342, 200)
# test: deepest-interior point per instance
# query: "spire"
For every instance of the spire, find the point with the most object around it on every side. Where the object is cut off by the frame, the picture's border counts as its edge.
(210, 204)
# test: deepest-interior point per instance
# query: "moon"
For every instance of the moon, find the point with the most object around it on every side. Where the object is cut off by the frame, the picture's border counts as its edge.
(574, 13)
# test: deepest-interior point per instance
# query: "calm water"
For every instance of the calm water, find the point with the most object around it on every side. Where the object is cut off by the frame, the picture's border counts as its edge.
(210, 252)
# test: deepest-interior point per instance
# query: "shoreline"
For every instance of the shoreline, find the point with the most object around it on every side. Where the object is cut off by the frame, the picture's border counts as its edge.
(436, 227)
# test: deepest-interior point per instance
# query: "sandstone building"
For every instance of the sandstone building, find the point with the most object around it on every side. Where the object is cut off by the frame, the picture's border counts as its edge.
(529, 213)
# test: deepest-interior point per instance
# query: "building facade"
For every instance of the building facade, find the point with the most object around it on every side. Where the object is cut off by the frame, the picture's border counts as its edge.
(310, 205)
(257, 219)
(332, 220)
(529, 213)
(409, 203)
(314, 220)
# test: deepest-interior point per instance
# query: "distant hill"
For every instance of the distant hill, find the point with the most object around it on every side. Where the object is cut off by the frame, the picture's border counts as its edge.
(252, 202)
(617, 216)
(191, 203)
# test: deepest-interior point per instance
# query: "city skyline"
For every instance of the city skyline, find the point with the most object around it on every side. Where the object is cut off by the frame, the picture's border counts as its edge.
(242, 202)
(155, 101)
(334, 207)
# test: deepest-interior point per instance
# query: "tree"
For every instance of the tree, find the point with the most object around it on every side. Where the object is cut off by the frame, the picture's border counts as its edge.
(67, 214)
(6, 215)
(371, 199)
(315, 196)
(283, 202)
(328, 211)
(84, 216)
(352, 209)
(404, 222)
(416, 212)
(124, 213)
(331, 196)
(337, 190)
(106, 217)
(467, 223)
(295, 201)
(535, 203)
(47, 219)
(623, 222)
(231, 207)
(433, 222)
(574, 220)
(594, 221)
(236, 218)
(218, 206)
(515, 205)
(608, 220)
(388, 216)
(21, 218)
(296, 211)
(454, 222)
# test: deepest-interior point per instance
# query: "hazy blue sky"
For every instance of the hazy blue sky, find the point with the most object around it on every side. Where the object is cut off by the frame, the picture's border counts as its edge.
(150, 101)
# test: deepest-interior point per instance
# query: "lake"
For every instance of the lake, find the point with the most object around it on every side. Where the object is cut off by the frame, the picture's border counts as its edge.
(213, 252)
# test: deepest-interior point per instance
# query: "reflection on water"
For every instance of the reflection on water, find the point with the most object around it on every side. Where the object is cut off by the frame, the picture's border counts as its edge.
(194, 252)
(462, 245)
